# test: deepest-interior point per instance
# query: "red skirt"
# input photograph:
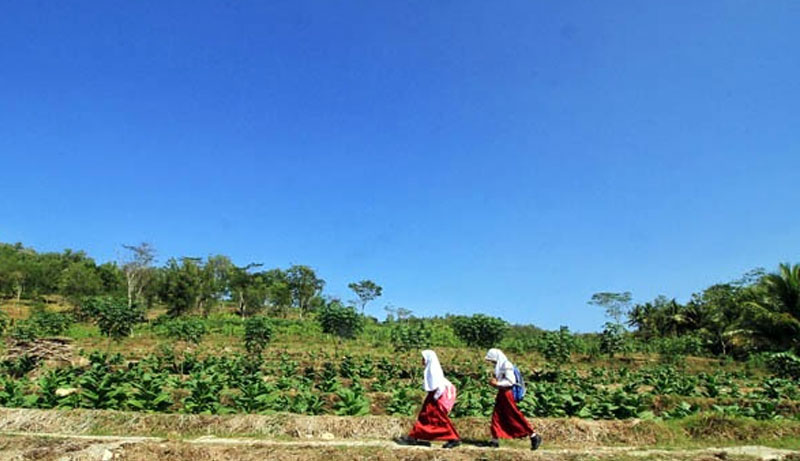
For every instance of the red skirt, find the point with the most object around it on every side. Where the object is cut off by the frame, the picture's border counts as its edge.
(507, 421)
(433, 423)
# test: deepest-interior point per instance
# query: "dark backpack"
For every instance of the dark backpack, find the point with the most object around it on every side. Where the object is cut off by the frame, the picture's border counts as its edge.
(518, 389)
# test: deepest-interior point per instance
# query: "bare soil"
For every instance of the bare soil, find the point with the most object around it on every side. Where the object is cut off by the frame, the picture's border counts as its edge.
(65, 447)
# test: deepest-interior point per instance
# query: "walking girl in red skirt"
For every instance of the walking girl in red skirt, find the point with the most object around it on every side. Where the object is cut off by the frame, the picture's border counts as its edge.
(507, 421)
(433, 422)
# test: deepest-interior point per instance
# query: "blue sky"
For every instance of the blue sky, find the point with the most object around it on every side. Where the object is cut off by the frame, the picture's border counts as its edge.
(502, 157)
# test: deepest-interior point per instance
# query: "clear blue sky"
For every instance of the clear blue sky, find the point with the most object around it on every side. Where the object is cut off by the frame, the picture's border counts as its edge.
(502, 157)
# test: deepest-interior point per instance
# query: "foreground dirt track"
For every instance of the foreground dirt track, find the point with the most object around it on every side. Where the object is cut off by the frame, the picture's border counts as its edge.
(60, 447)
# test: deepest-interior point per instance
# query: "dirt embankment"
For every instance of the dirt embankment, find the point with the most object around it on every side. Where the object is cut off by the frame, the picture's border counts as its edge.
(566, 433)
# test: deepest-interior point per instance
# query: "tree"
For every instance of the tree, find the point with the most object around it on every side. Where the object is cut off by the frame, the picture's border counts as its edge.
(719, 315)
(304, 285)
(80, 279)
(366, 290)
(214, 282)
(775, 312)
(480, 330)
(340, 320)
(180, 286)
(616, 305)
(246, 289)
(137, 269)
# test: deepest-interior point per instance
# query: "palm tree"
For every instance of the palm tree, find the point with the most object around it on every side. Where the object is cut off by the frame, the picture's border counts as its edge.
(776, 310)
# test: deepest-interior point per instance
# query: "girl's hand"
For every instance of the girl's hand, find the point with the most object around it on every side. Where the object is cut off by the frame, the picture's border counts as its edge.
(493, 382)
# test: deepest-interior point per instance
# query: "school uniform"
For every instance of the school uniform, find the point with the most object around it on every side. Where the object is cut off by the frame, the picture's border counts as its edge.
(507, 421)
(432, 422)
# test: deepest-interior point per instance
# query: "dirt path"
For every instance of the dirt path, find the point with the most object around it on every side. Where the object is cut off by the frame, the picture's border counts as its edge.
(18, 446)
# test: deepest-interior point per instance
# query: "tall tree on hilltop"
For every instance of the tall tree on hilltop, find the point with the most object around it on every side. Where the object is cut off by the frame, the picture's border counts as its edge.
(366, 290)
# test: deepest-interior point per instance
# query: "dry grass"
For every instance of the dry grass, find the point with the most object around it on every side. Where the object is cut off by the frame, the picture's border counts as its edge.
(558, 432)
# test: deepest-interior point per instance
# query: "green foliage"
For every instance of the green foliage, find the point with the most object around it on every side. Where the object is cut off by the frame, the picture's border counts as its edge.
(612, 339)
(114, 318)
(785, 365)
(479, 330)
(48, 323)
(4, 322)
(149, 392)
(257, 334)
(557, 346)
(775, 312)
(410, 335)
(180, 285)
(304, 286)
(402, 402)
(350, 402)
(187, 329)
(339, 320)
(203, 398)
(616, 305)
(102, 388)
(366, 290)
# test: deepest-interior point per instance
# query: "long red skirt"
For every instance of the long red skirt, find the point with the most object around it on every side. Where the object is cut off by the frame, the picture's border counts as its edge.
(433, 423)
(507, 421)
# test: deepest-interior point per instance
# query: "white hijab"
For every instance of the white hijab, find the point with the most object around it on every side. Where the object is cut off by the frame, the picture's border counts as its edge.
(501, 362)
(434, 376)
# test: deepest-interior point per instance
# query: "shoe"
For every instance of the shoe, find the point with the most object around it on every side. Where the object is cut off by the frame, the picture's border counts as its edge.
(452, 444)
(406, 440)
(493, 444)
(536, 440)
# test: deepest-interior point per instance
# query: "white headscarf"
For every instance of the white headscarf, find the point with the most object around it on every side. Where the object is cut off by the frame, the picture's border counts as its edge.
(434, 376)
(501, 362)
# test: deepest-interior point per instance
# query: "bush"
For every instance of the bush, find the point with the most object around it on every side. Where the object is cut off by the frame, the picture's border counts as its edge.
(188, 329)
(342, 321)
(557, 346)
(480, 330)
(257, 334)
(784, 365)
(612, 339)
(673, 350)
(410, 335)
(47, 323)
(3, 322)
(114, 318)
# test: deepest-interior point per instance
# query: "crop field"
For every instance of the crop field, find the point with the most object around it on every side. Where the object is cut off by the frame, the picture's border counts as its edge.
(306, 386)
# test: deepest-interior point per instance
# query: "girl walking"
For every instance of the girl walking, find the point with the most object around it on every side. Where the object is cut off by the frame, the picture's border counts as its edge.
(507, 421)
(433, 422)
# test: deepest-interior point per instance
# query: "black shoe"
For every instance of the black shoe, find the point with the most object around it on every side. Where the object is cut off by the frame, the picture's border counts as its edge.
(493, 444)
(410, 441)
(452, 444)
(536, 440)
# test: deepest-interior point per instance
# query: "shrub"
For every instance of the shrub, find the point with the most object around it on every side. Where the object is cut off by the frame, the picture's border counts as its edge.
(114, 318)
(480, 330)
(612, 339)
(188, 329)
(343, 321)
(410, 335)
(47, 323)
(3, 322)
(784, 364)
(257, 334)
(557, 346)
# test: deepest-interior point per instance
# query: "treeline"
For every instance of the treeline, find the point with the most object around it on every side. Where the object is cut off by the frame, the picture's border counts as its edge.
(759, 312)
(182, 285)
